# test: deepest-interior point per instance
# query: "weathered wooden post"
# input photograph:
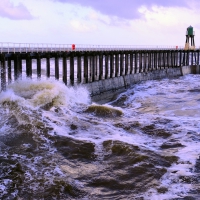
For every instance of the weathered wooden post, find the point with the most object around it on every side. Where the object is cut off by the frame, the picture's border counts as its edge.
(140, 62)
(3, 73)
(116, 65)
(168, 59)
(38, 66)
(145, 61)
(188, 58)
(183, 58)
(9, 71)
(176, 58)
(131, 62)
(28, 65)
(106, 65)
(48, 65)
(111, 65)
(192, 58)
(72, 68)
(100, 66)
(156, 60)
(97, 65)
(153, 60)
(149, 61)
(197, 57)
(64, 67)
(126, 63)
(56, 66)
(171, 59)
(186, 52)
(136, 62)
(89, 68)
(17, 66)
(79, 74)
(86, 68)
(121, 64)
(159, 60)
(180, 58)
(94, 68)
(164, 59)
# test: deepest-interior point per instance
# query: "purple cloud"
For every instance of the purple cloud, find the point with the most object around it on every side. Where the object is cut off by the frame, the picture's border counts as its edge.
(126, 9)
(19, 12)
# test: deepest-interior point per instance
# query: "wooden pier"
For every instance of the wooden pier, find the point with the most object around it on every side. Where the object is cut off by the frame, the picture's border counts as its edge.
(86, 66)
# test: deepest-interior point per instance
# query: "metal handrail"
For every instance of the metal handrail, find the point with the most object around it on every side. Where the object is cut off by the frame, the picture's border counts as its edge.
(42, 47)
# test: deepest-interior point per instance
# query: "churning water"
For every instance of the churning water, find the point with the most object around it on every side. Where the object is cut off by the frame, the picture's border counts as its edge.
(55, 143)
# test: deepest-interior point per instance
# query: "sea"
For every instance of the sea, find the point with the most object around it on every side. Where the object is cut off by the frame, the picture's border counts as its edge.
(56, 143)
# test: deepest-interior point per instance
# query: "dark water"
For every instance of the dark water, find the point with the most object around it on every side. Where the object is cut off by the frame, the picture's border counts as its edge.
(56, 144)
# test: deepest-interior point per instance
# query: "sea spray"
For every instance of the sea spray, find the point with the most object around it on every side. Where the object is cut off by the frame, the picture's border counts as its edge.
(39, 93)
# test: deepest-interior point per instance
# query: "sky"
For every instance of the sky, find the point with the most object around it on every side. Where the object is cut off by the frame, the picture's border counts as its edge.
(99, 22)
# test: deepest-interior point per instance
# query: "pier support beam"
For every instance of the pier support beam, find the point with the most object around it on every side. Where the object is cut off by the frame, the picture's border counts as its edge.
(100, 66)
(48, 65)
(126, 63)
(116, 65)
(17, 66)
(28, 66)
(79, 71)
(106, 66)
(64, 68)
(86, 68)
(136, 62)
(111, 65)
(38, 66)
(121, 64)
(140, 62)
(72, 70)
(57, 67)
(94, 68)
(131, 63)
(3, 73)
(9, 71)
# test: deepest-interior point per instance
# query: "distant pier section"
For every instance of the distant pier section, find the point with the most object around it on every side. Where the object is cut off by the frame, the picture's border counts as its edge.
(103, 69)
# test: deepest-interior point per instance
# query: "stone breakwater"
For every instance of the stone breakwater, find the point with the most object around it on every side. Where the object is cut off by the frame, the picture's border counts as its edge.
(105, 90)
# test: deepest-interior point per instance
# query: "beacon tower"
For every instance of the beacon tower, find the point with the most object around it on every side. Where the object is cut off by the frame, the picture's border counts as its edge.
(190, 37)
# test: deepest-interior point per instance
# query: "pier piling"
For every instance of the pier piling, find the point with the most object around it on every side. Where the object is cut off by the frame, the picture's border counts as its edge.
(91, 66)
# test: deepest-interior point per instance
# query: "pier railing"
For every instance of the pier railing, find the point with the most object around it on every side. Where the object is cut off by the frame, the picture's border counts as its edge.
(8, 47)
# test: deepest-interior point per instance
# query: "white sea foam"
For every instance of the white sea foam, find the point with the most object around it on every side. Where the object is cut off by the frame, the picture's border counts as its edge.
(174, 100)
(38, 93)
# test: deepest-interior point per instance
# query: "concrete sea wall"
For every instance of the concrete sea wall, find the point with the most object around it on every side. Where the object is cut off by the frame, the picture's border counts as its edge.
(105, 90)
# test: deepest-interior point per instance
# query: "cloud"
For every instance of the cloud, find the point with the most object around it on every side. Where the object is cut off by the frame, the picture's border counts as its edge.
(126, 9)
(18, 12)
(82, 27)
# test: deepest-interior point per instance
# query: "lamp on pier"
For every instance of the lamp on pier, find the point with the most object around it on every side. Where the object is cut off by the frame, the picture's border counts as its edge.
(190, 34)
